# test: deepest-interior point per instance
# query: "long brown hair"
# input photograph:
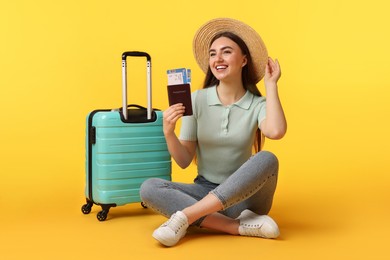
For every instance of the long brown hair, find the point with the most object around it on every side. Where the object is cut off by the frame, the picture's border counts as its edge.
(248, 76)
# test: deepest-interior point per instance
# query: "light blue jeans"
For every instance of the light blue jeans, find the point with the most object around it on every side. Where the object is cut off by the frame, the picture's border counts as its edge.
(252, 187)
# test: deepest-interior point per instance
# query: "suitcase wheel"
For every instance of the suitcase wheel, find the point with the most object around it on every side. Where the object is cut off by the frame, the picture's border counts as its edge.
(86, 208)
(102, 215)
(144, 205)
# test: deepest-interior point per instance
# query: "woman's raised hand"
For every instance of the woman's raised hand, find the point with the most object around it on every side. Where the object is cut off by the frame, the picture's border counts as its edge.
(272, 72)
(170, 117)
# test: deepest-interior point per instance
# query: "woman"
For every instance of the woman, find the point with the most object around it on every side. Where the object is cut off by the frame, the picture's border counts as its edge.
(233, 191)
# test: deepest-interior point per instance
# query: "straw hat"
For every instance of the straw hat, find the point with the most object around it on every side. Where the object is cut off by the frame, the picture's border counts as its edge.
(206, 33)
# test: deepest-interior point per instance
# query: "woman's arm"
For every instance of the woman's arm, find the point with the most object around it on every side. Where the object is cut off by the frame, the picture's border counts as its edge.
(274, 126)
(181, 151)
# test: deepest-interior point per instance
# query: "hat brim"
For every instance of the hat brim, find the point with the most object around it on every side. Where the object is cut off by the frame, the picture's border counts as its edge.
(209, 30)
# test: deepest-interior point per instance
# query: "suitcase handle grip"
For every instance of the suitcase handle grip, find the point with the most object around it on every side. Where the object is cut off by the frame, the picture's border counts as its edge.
(148, 81)
(136, 54)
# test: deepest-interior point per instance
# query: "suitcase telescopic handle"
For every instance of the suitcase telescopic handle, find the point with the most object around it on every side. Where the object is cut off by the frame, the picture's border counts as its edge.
(148, 81)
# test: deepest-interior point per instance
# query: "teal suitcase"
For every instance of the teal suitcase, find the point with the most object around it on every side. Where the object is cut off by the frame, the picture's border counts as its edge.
(124, 147)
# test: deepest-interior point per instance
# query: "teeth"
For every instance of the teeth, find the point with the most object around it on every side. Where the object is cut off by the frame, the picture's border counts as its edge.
(221, 67)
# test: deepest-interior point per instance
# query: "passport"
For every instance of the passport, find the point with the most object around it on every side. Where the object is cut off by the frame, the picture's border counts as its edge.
(180, 93)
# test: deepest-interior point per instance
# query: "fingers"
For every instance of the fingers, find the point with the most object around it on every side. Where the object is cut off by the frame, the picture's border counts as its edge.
(272, 71)
(267, 68)
(173, 113)
(273, 66)
(170, 117)
(277, 67)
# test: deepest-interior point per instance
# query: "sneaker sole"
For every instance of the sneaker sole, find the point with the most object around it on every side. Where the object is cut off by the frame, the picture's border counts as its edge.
(162, 240)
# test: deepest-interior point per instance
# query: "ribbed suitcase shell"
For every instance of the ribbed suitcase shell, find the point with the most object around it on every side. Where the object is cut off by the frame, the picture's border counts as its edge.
(121, 156)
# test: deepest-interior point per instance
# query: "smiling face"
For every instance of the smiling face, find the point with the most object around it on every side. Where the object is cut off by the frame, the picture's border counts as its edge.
(226, 59)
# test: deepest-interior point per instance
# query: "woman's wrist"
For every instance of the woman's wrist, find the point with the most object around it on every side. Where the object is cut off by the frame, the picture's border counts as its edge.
(169, 134)
(271, 88)
(270, 85)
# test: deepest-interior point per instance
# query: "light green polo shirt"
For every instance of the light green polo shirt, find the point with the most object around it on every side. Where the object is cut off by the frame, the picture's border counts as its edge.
(225, 134)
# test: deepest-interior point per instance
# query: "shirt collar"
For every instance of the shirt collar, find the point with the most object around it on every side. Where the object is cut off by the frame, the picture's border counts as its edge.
(213, 100)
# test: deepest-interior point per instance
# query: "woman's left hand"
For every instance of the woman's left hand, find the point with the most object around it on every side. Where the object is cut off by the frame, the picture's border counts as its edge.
(272, 72)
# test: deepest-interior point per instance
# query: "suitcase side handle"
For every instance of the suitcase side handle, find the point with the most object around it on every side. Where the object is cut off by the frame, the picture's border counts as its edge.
(148, 81)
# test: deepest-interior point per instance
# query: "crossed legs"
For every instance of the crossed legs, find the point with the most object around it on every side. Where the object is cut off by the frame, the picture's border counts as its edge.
(217, 206)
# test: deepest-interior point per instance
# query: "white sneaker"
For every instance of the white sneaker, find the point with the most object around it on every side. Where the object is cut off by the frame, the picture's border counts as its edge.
(173, 230)
(255, 225)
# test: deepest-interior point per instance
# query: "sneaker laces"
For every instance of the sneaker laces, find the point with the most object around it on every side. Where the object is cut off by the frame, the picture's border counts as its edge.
(252, 230)
(255, 225)
(176, 222)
